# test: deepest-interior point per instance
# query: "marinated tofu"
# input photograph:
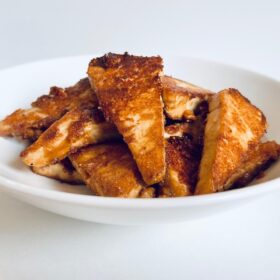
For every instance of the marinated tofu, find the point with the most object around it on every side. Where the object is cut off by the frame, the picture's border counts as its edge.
(181, 99)
(62, 171)
(109, 170)
(129, 92)
(76, 129)
(30, 123)
(234, 126)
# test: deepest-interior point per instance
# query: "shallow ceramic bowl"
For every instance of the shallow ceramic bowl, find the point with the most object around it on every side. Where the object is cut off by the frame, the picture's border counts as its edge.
(22, 84)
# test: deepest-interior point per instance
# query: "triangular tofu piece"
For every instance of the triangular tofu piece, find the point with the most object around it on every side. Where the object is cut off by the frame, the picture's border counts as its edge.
(233, 127)
(109, 170)
(62, 171)
(129, 92)
(30, 123)
(181, 99)
(76, 129)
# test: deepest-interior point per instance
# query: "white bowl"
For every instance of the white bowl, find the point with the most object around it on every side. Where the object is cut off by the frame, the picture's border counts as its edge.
(22, 84)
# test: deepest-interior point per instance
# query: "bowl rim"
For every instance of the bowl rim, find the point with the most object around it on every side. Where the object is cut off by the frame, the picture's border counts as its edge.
(11, 186)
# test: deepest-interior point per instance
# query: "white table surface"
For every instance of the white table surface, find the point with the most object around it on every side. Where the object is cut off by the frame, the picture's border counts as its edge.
(240, 244)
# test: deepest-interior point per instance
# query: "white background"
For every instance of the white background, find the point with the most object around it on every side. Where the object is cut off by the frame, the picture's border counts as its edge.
(241, 244)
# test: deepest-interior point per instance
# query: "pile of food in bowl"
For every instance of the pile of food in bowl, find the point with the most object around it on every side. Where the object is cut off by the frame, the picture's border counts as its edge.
(127, 130)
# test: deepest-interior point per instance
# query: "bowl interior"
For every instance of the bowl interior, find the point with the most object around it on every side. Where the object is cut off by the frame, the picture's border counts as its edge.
(21, 85)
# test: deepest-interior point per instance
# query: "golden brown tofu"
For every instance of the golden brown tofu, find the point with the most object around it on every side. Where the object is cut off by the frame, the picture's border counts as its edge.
(194, 128)
(62, 171)
(77, 128)
(181, 99)
(257, 160)
(109, 170)
(183, 158)
(148, 192)
(178, 130)
(184, 142)
(233, 127)
(129, 92)
(30, 123)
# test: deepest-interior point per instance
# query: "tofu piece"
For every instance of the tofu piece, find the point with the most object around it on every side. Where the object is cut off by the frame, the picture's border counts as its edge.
(148, 192)
(194, 129)
(257, 160)
(25, 124)
(62, 171)
(181, 99)
(177, 130)
(233, 127)
(129, 92)
(183, 158)
(184, 143)
(109, 170)
(76, 129)
(30, 123)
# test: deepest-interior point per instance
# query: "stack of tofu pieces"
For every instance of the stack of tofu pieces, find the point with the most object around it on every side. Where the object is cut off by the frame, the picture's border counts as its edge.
(127, 130)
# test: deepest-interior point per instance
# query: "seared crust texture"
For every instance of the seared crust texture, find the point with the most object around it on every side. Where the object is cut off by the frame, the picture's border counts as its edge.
(182, 159)
(129, 92)
(129, 131)
(184, 143)
(181, 99)
(257, 160)
(62, 171)
(30, 123)
(109, 170)
(77, 128)
(234, 126)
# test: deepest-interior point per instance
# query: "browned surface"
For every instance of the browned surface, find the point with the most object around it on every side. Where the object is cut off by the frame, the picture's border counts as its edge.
(183, 158)
(184, 142)
(257, 160)
(177, 129)
(26, 124)
(30, 123)
(233, 127)
(129, 92)
(77, 128)
(62, 171)
(181, 98)
(148, 192)
(109, 170)
(194, 129)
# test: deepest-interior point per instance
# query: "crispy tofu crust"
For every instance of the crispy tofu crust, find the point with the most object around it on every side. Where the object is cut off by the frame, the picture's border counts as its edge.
(109, 170)
(77, 128)
(25, 124)
(129, 92)
(30, 123)
(234, 126)
(62, 171)
(257, 160)
(183, 158)
(184, 142)
(181, 99)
